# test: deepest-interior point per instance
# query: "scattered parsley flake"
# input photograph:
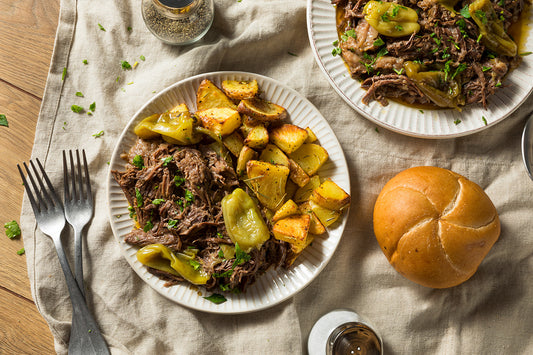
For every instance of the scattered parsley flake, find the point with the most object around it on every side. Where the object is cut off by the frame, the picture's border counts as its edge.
(64, 75)
(138, 161)
(158, 201)
(130, 83)
(178, 180)
(399, 72)
(457, 121)
(484, 120)
(421, 111)
(12, 229)
(139, 197)
(142, 57)
(21, 251)
(195, 264)
(125, 65)
(129, 29)
(76, 108)
(92, 106)
(149, 225)
(217, 298)
(99, 134)
(135, 64)
(79, 94)
(85, 61)
(101, 27)
(376, 129)
(172, 223)
(336, 51)
(378, 42)
(464, 12)
(3, 120)
(166, 160)
(293, 54)
(117, 79)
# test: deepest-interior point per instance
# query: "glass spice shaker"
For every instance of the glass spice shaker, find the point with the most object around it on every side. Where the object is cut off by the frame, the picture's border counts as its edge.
(178, 22)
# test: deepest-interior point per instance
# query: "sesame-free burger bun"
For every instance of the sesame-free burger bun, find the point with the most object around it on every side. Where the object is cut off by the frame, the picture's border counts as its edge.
(435, 226)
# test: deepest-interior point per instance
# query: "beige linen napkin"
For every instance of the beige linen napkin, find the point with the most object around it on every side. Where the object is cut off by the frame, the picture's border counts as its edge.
(491, 313)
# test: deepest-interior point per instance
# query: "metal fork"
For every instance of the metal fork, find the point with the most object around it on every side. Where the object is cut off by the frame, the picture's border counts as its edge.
(85, 338)
(78, 201)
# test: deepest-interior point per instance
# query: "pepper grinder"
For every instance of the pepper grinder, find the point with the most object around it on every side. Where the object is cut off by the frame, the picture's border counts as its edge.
(178, 22)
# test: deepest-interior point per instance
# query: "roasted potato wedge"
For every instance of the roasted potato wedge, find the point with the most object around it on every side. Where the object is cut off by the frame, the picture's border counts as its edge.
(268, 182)
(210, 96)
(288, 137)
(257, 138)
(245, 155)
(272, 154)
(288, 209)
(326, 216)
(304, 193)
(234, 143)
(180, 108)
(310, 157)
(262, 110)
(220, 120)
(290, 189)
(316, 226)
(293, 229)
(331, 196)
(311, 136)
(298, 175)
(239, 90)
(296, 251)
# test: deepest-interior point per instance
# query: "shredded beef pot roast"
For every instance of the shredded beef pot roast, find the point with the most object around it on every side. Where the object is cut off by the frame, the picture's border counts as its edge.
(450, 42)
(175, 195)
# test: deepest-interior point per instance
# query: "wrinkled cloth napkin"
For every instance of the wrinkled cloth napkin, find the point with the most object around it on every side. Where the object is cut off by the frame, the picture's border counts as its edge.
(491, 313)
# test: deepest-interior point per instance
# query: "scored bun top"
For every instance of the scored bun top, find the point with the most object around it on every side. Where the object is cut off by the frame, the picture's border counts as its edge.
(435, 226)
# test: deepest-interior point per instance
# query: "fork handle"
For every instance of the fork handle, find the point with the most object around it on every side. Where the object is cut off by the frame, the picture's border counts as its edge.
(85, 336)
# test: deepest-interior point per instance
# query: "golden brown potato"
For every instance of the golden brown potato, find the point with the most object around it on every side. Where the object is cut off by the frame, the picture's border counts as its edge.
(331, 196)
(220, 120)
(326, 216)
(180, 108)
(310, 157)
(262, 110)
(297, 175)
(272, 154)
(268, 182)
(296, 251)
(288, 137)
(210, 96)
(304, 193)
(293, 229)
(239, 90)
(257, 138)
(289, 208)
(316, 226)
(290, 189)
(245, 155)
(234, 143)
(311, 137)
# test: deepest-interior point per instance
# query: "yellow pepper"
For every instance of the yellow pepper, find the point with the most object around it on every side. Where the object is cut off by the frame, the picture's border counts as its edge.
(244, 222)
(391, 19)
(174, 127)
(160, 257)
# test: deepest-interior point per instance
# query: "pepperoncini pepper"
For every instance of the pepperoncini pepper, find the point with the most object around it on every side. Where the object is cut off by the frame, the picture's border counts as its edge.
(491, 29)
(177, 127)
(391, 19)
(160, 257)
(244, 222)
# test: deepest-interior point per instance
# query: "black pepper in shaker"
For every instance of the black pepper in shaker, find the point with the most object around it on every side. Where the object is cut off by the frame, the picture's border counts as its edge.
(178, 22)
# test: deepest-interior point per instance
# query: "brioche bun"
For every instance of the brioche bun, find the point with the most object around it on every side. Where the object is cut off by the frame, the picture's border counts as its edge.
(435, 226)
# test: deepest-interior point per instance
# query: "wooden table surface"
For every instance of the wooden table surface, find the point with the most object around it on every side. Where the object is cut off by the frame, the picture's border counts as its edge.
(26, 42)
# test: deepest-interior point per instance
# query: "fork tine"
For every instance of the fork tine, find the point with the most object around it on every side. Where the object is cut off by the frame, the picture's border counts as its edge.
(34, 205)
(66, 189)
(79, 176)
(74, 195)
(87, 178)
(56, 200)
(41, 203)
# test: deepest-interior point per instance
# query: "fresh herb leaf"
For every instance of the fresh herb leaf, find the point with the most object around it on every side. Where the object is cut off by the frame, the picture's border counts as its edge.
(178, 180)
(92, 106)
(457, 121)
(85, 61)
(166, 160)
(64, 75)
(336, 51)
(240, 256)
(158, 201)
(172, 223)
(3, 121)
(459, 69)
(221, 254)
(195, 264)
(482, 16)
(79, 94)
(138, 161)
(485, 68)
(12, 229)
(139, 197)
(99, 134)
(76, 108)
(129, 28)
(143, 58)
(125, 65)
(216, 298)
(348, 34)
(484, 120)
(189, 197)
(21, 251)
(378, 42)
(148, 226)
(293, 54)
(464, 12)
(399, 72)
(132, 212)
(101, 27)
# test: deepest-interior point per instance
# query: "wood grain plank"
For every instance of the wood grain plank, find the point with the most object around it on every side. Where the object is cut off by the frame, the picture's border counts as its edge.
(16, 141)
(26, 42)
(22, 330)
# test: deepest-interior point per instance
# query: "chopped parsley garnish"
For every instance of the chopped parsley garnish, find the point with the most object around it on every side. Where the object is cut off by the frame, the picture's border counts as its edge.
(64, 75)
(125, 65)
(385, 17)
(132, 212)
(348, 34)
(525, 53)
(101, 27)
(172, 223)
(221, 254)
(459, 69)
(21, 251)
(12, 229)
(3, 121)
(143, 58)
(129, 28)
(336, 51)
(378, 42)
(486, 68)
(216, 298)
(178, 180)
(92, 106)
(138, 161)
(166, 160)
(195, 264)
(399, 72)
(85, 61)
(482, 16)
(484, 120)
(398, 28)
(158, 201)
(189, 197)
(457, 121)
(79, 94)
(293, 54)
(240, 256)
(479, 38)
(220, 235)
(98, 134)
(139, 197)
(464, 12)
(149, 225)
(76, 108)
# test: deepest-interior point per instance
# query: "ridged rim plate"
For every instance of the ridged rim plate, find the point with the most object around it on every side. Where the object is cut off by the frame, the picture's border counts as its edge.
(276, 285)
(406, 120)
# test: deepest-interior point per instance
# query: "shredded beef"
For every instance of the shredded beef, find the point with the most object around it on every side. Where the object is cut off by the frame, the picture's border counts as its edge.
(175, 197)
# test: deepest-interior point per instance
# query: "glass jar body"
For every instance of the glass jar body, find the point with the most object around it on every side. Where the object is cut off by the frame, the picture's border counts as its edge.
(178, 25)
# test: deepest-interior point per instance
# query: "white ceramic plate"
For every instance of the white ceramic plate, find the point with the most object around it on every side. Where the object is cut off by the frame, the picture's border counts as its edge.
(406, 120)
(274, 286)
